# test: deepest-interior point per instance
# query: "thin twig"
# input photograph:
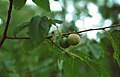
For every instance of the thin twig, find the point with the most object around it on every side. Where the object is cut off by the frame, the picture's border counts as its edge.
(10, 37)
(100, 28)
(115, 25)
(55, 44)
(7, 23)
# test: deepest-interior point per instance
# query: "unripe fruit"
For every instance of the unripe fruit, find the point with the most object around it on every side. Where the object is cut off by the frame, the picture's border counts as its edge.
(73, 39)
(63, 42)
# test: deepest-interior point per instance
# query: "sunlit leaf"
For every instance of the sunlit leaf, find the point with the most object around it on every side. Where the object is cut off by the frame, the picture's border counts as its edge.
(60, 64)
(43, 4)
(18, 4)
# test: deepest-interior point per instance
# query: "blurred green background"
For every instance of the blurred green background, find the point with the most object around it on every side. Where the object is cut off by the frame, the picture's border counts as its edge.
(46, 60)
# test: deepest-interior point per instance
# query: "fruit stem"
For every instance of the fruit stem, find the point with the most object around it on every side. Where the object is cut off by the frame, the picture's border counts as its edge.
(59, 31)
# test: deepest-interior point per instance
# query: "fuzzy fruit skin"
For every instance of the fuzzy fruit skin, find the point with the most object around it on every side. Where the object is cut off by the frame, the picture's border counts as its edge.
(73, 39)
(63, 42)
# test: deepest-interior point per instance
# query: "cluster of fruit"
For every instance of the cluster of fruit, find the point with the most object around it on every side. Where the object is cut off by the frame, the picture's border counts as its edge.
(72, 39)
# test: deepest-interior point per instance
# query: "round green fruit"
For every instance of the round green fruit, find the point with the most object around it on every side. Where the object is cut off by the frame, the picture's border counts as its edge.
(63, 42)
(73, 39)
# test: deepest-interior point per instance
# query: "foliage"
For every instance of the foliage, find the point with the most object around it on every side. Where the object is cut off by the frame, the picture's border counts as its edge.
(115, 36)
(19, 4)
(31, 47)
(43, 4)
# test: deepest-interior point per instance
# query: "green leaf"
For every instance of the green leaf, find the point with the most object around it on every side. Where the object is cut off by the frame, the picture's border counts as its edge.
(9, 64)
(60, 64)
(99, 68)
(44, 66)
(18, 4)
(43, 4)
(96, 50)
(115, 39)
(14, 75)
(39, 28)
(28, 45)
(94, 65)
(71, 67)
(20, 27)
(56, 21)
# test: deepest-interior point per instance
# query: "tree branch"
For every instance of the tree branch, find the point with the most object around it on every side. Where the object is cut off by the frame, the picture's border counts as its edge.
(7, 23)
(115, 25)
